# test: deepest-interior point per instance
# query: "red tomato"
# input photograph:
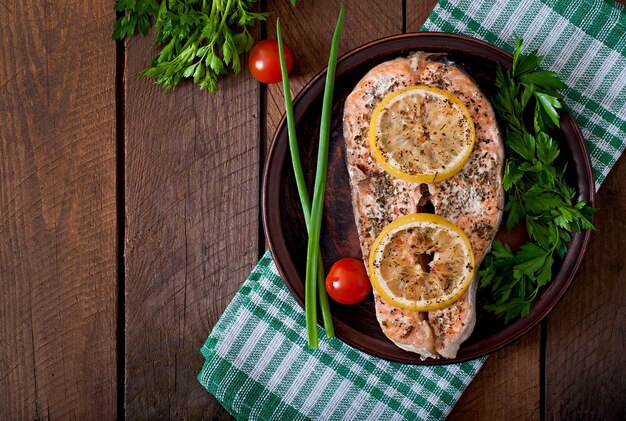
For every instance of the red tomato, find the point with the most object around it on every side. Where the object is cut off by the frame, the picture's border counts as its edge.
(347, 282)
(264, 61)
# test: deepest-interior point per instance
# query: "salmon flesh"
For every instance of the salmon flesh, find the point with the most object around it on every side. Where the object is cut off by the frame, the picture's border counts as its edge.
(473, 198)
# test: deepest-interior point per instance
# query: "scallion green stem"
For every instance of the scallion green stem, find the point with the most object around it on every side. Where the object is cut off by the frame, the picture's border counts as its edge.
(301, 185)
(323, 297)
(320, 181)
(291, 131)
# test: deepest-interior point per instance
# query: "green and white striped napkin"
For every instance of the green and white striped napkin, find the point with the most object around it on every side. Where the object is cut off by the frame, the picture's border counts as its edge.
(257, 362)
(584, 41)
(259, 366)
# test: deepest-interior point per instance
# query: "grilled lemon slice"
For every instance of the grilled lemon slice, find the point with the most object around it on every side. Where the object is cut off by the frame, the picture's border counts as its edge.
(421, 134)
(421, 262)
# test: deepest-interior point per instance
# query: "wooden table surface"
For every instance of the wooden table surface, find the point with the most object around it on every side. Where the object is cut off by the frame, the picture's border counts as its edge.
(129, 218)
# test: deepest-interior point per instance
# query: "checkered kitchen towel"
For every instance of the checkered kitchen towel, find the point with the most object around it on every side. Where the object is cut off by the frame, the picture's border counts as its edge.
(257, 362)
(259, 366)
(584, 41)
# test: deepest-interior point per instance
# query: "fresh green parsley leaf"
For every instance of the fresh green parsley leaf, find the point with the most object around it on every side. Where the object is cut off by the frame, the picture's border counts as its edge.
(537, 194)
(512, 175)
(544, 79)
(529, 259)
(515, 212)
(523, 64)
(524, 144)
(550, 104)
(198, 40)
(501, 250)
(137, 16)
(547, 150)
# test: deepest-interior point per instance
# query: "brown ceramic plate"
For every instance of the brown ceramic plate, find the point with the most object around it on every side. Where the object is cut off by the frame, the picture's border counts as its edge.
(282, 215)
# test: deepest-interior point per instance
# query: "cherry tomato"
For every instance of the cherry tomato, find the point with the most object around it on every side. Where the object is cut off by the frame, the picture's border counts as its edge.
(264, 61)
(347, 282)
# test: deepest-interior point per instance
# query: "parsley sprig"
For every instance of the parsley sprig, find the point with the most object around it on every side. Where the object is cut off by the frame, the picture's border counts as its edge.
(199, 39)
(537, 193)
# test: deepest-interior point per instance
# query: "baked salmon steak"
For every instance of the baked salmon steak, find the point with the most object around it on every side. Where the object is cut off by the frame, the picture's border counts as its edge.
(432, 112)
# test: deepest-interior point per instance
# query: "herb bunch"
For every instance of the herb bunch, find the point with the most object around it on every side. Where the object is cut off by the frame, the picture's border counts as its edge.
(198, 39)
(537, 194)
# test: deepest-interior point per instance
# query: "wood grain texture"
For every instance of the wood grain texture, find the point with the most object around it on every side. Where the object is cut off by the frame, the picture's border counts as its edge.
(308, 29)
(57, 211)
(507, 386)
(192, 206)
(586, 336)
(417, 12)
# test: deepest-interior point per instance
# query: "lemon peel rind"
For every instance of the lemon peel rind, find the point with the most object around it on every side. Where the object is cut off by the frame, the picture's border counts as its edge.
(418, 178)
(408, 221)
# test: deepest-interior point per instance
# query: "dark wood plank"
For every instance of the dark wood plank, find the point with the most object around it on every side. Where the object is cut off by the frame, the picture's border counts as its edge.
(192, 208)
(585, 364)
(312, 24)
(417, 12)
(307, 30)
(507, 386)
(57, 210)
